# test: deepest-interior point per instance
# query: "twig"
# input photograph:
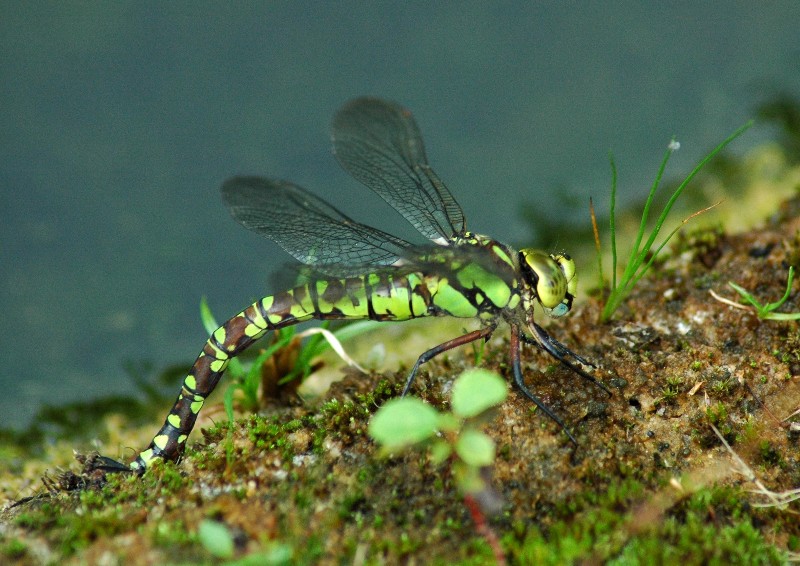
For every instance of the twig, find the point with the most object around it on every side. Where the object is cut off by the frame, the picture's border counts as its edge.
(776, 499)
(730, 303)
(484, 529)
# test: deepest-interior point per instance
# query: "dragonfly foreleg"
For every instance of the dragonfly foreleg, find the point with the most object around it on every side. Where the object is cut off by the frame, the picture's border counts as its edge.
(520, 383)
(484, 333)
(560, 352)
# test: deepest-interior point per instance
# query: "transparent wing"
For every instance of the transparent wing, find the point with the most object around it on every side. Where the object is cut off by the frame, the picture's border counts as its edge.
(307, 227)
(379, 143)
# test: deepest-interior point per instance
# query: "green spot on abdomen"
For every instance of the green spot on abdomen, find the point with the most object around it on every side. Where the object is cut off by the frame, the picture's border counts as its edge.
(218, 365)
(219, 335)
(190, 383)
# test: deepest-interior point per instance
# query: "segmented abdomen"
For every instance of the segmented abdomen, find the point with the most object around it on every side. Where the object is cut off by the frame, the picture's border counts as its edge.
(373, 296)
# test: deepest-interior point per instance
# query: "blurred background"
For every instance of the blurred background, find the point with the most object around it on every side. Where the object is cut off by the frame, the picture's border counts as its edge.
(120, 121)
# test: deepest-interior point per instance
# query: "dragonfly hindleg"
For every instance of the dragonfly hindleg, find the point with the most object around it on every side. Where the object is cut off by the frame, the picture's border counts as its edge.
(484, 333)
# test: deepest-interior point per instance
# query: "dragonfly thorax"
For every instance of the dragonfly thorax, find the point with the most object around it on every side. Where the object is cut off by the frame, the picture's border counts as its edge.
(552, 279)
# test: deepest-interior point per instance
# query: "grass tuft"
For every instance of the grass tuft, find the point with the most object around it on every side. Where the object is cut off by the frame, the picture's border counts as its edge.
(642, 255)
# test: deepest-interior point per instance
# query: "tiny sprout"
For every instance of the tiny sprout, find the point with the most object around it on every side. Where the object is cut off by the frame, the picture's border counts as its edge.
(456, 436)
(765, 311)
(248, 380)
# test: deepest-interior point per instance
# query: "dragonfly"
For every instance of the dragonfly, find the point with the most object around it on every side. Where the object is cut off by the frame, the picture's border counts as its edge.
(353, 271)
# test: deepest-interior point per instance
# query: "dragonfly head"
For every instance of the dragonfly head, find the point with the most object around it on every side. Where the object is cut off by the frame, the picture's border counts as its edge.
(552, 279)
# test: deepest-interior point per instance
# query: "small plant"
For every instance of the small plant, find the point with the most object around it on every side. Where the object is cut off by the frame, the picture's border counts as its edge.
(409, 422)
(478, 351)
(670, 391)
(642, 255)
(765, 311)
(722, 386)
(406, 422)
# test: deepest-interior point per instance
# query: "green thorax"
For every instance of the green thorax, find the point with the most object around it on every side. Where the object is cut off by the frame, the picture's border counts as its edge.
(475, 277)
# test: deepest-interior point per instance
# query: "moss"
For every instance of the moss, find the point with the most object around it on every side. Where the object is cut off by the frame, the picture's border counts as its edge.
(710, 527)
(14, 549)
(694, 543)
(704, 244)
(769, 453)
(172, 534)
(670, 391)
(717, 414)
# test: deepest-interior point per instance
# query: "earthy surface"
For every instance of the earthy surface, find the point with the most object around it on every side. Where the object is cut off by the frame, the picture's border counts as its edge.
(648, 482)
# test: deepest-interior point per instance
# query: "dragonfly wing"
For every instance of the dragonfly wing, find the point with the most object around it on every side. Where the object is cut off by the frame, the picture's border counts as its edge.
(307, 227)
(379, 143)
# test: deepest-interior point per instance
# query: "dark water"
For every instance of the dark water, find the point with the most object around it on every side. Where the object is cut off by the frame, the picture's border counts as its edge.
(119, 124)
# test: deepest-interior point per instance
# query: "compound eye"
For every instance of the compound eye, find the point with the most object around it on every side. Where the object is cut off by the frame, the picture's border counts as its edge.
(547, 278)
(567, 266)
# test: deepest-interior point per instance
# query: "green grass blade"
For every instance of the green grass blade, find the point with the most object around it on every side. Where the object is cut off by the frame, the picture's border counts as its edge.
(654, 255)
(638, 254)
(253, 378)
(347, 332)
(668, 207)
(612, 223)
(317, 344)
(775, 305)
(782, 316)
(745, 294)
(227, 400)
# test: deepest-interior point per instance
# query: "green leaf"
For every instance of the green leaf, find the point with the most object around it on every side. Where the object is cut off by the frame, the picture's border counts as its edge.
(477, 390)
(440, 451)
(475, 448)
(216, 538)
(402, 422)
(448, 422)
(209, 322)
(227, 400)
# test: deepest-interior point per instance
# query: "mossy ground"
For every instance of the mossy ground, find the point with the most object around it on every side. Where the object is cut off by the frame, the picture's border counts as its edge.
(648, 483)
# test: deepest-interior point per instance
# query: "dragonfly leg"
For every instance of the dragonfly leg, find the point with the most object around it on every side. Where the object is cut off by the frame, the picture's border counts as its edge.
(566, 352)
(109, 465)
(484, 333)
(520, 383)
(560, 352)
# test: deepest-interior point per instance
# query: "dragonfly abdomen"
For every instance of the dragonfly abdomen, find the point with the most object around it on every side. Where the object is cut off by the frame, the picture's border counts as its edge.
(379, 297)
